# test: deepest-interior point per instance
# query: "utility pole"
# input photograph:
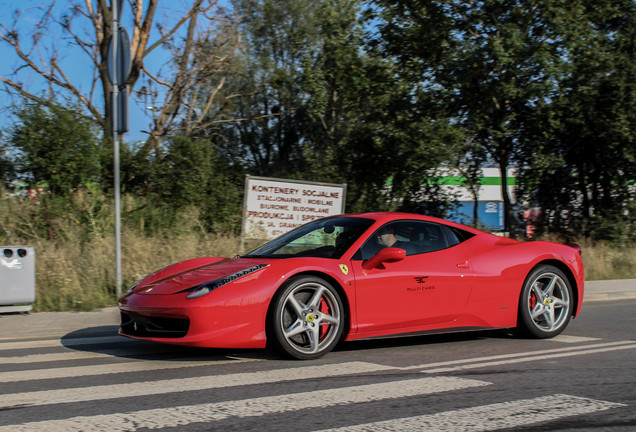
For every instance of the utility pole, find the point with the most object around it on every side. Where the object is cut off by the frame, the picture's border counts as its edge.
(118, 62)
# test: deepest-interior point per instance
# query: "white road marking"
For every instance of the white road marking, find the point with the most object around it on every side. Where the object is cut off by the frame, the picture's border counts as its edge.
(438, 367)
(528, 358)
(522, 356)
(112, 368)
(488, 417)
(83, 355)
(73, 355)
(571, 339)
(82, 394)
(255, 407)
(491, 417)
(49, 343)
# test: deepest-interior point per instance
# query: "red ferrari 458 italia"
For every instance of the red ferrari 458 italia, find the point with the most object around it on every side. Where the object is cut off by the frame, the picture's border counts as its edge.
(359, 276)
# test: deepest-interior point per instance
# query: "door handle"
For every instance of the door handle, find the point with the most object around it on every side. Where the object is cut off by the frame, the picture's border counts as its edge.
(463, 265)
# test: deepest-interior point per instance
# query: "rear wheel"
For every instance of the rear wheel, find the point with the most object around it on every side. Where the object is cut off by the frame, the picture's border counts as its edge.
(307, 318)
(545, 303)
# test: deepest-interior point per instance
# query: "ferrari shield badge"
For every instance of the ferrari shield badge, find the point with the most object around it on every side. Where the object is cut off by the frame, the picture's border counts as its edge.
(344, 269)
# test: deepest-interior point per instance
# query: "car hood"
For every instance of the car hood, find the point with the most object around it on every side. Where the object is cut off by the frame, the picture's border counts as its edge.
(192, 273)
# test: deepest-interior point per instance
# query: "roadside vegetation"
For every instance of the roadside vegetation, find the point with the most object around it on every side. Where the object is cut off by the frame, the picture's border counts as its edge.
(383, 96)
(603, 260)
(75, 268)
(75, 247)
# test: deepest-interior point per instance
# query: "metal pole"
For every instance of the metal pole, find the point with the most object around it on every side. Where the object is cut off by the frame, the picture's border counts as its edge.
(117, 215)
(114, 113)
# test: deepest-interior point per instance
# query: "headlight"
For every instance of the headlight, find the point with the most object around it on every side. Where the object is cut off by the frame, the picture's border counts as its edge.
(135, 285)
(208, 287)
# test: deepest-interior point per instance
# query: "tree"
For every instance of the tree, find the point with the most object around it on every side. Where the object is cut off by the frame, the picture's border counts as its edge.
(267, 92)
(469, 160)
(541, 86)
(193, 174)
(200, 42)
(323, 107)
(6, 167)
(583, 160)
(56, 146)
(489, 61)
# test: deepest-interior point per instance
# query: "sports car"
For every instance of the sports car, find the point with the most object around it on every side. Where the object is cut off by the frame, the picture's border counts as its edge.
(356, 276)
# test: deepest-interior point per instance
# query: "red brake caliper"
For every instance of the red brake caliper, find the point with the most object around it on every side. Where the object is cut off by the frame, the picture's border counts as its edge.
(324, 309)
(532, 300)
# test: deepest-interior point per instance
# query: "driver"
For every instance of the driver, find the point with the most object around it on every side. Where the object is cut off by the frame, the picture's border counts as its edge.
(386, 238)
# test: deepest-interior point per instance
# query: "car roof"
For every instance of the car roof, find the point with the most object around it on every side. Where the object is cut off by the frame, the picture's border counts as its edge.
(383, 217)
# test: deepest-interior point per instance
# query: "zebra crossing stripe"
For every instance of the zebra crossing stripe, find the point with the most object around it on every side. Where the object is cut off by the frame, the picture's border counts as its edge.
(111, 368)
(445, 366)
(255, 407)
(476, 365)
(572, 339)
(429, 368)
(83, 355)
(491, 417)
(146, 388)
(49, 343)
(72, 355)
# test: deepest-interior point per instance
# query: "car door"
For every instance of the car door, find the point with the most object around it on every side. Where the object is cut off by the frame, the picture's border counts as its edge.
(430, 285)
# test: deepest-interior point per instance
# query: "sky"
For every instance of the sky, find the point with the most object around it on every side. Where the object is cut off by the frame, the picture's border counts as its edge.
(75, 63)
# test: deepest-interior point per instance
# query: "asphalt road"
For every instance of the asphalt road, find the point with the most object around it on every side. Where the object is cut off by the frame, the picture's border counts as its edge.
(69, 371)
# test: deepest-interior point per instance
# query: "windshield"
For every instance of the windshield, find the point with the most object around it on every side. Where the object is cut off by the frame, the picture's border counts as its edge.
(322, 238)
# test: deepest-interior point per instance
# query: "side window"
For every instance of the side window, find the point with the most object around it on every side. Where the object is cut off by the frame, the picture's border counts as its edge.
(451, 236)
(415, 237)
(432, 237)
(393, 234)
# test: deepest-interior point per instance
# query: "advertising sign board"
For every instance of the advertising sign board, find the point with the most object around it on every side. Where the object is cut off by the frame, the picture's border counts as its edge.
(274, 206)
(490, 213)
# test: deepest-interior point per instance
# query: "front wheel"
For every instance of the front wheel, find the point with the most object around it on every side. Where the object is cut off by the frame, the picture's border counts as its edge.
(545, 303)
(307, 318)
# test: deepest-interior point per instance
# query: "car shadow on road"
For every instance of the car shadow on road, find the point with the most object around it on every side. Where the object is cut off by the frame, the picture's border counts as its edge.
(424, 339)
(105, 340)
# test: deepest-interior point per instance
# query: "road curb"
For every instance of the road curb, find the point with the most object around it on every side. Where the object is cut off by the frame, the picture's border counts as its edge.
(607, 290)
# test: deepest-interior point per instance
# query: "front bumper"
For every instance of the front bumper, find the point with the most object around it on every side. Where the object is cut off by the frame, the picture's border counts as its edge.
(136, 325)
(168, 319)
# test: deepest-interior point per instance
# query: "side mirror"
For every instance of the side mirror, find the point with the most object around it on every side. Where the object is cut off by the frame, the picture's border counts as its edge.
(385, 255)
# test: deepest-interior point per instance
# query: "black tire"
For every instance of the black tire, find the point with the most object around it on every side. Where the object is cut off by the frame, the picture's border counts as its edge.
(545, 304)
(306, 319)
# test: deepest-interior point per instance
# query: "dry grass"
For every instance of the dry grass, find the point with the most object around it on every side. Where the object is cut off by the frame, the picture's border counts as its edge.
(75, 267)
(83, 278)
(603, 262)
(75, 264)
